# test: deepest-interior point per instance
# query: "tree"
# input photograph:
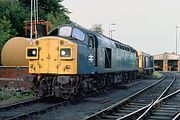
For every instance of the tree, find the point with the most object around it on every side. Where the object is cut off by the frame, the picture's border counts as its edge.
(13, 11)
(97, 28)
(19, 10)
(6, 32)
(50, 10)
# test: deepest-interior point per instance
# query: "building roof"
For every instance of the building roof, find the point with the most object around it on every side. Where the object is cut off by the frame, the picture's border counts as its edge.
(167, 56)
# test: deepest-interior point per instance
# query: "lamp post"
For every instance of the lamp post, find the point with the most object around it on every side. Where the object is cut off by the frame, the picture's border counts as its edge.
(110, 31)
(176, 38)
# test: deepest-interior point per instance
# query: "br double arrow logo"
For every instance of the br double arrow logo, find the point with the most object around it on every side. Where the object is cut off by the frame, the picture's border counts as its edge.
(90, 58)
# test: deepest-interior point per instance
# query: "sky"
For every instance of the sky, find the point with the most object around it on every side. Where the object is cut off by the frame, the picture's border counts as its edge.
(148, 25)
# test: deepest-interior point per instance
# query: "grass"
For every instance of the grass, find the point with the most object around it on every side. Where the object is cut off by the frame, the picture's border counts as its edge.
(12, 95)
(156, 74)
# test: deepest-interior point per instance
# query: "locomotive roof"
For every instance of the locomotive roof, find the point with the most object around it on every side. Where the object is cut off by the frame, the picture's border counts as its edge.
(100, 35)
(93, 33)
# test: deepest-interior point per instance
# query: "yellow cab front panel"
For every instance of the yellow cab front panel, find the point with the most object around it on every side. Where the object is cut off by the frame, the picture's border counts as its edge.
(48, 56)
(140, 56)
(49, 59)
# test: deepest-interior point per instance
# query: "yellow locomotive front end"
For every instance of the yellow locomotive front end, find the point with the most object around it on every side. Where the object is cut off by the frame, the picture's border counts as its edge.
(53, 63)
(140, 61)
(52, 56)
(145, 63)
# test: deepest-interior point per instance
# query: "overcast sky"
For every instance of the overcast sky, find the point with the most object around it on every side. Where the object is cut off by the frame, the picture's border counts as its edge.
(148, 25)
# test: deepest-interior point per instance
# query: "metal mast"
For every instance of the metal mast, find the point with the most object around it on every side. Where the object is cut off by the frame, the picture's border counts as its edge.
(31, 20)
(176, 38)
(35, 21)
(34, 9)
(37, 10)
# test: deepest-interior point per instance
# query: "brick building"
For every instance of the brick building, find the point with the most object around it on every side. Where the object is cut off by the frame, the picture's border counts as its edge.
(167, 62)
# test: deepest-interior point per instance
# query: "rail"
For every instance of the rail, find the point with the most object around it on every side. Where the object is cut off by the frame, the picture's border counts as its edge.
(25, 109)
(37, 111)
(15, 105)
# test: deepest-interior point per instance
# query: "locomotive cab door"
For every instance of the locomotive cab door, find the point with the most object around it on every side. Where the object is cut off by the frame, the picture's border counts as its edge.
(93, 47)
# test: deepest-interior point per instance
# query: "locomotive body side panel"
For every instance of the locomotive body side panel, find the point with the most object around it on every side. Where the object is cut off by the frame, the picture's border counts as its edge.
(104, 46)
(124, 60)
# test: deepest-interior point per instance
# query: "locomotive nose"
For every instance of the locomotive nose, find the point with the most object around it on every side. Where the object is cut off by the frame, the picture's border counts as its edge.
(52, 55)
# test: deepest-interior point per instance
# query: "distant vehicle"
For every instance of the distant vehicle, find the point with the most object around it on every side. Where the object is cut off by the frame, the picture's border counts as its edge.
(72, 60)
(145, 64)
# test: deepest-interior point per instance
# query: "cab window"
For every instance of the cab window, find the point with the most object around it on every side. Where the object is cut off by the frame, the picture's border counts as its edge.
(65, 31)
(79, 35)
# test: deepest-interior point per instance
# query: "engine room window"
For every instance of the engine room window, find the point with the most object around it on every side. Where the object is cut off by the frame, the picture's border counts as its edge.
(65, 31)
(91, 42)
(78, 34)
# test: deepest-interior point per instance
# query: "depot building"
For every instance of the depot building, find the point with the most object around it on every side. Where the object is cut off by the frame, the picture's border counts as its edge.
(167, 62)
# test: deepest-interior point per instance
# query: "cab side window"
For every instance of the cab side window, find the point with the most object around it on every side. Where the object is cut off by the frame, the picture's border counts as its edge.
(91, 42)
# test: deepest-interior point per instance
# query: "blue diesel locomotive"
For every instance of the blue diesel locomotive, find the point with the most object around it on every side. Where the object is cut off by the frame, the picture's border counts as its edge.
(72, 60)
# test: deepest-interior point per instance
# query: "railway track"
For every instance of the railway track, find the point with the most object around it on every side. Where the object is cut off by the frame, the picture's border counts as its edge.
(18, 104)
(27, 109)
(136, 104)
(166, 108)
(131, 107)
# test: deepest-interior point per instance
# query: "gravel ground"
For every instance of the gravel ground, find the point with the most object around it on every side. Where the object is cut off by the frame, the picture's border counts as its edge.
(91, 105)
